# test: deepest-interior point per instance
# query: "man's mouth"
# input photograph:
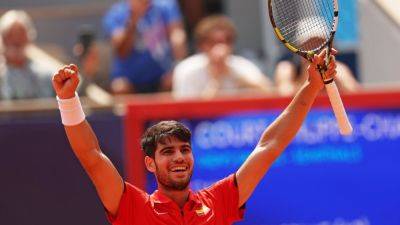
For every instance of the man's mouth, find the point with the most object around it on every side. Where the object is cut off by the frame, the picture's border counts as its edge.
(179, 169)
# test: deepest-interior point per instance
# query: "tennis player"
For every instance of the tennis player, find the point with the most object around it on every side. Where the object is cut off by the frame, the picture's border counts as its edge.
(168, 155)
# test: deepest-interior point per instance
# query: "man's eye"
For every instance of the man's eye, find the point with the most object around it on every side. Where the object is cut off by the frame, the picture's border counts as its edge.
(186, 150)
(167, 152)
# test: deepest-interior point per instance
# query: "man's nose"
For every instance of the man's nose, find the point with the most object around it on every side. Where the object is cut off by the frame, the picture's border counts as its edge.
(178, 156)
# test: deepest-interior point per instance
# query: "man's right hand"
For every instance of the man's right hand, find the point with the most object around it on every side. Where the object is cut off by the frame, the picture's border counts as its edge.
(315, 77)
(65, 81)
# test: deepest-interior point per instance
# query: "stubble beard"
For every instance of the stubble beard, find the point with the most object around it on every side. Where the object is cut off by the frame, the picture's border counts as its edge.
(171, 185)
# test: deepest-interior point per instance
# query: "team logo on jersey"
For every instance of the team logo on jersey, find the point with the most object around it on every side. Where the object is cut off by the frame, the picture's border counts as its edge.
(203, 210)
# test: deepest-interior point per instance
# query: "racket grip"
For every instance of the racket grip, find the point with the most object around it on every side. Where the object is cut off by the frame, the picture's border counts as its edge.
(345, 127)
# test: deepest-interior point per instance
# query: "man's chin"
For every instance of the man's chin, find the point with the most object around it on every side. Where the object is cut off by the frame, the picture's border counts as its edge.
(179, 184)
(183, 186)
(175, 182)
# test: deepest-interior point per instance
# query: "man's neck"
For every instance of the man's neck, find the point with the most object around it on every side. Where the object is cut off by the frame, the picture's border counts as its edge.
(179, 197)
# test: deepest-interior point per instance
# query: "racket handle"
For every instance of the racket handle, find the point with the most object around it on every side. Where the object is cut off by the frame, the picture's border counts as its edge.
(345, 127)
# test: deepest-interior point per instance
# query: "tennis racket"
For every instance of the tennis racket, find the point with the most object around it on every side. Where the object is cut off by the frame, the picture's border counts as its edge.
(306, 27)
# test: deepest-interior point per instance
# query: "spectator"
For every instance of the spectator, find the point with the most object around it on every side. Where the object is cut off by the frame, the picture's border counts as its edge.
(21, 77)
(147, 37)
(215, 70)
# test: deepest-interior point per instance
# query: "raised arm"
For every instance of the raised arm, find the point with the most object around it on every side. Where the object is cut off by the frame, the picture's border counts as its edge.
(105, 177)
(280, 133)
(123, 39)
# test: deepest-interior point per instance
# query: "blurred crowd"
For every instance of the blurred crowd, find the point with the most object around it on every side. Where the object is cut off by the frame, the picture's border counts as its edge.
(150, 54)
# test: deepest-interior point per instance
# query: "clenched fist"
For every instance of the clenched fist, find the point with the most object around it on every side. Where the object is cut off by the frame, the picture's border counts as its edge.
(65, 81)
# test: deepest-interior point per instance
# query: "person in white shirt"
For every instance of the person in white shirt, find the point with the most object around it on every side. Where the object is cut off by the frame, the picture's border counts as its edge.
(215, 71)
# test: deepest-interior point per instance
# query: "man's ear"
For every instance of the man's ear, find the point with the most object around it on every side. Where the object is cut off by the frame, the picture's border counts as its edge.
(150, 164)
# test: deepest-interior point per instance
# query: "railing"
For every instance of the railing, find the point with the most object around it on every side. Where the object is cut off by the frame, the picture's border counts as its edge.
(98, 100)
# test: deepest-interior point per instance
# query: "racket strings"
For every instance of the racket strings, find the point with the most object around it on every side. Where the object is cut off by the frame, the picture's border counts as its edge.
(283, 10)
(305, 24)
(286, 17)
(313, 35)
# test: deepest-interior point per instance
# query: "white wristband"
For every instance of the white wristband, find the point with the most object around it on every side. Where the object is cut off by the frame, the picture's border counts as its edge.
(71, 111)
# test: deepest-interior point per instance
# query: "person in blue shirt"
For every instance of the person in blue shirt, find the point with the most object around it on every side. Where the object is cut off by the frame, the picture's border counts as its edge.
(147, 38)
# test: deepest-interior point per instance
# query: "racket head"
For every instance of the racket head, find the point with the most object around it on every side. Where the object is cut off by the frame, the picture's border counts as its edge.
(304, 27)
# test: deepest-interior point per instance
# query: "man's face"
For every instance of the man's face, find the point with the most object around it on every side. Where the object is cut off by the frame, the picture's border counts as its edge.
(217, 37)
(173, 164)
(15, 41)
(140, 3)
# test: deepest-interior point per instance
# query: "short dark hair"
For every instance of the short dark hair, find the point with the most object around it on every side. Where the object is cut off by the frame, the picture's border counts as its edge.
(159, 132)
